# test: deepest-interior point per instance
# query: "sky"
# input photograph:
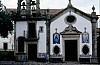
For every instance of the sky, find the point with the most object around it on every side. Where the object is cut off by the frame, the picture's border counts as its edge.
(84, 5)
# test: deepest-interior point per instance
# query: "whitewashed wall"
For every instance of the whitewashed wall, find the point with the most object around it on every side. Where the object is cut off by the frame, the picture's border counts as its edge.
(42, 37)
(21, 26)
(80, 24)
(9, 41)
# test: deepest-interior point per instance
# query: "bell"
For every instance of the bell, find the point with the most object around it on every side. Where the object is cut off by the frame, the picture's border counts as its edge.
(23, 4)
(23, 8)
(33, 8)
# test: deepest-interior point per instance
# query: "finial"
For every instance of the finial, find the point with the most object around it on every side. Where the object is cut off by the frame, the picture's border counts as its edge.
(93, 8)
(85, 29)
(48, 10)
(69, 5)
(0, 1)
(56, 30)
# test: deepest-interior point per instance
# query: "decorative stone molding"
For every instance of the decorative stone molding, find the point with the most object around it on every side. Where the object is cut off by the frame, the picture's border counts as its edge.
(85, 56)
(70, 19)
(56, 56)
(70, 30)
(41, 55)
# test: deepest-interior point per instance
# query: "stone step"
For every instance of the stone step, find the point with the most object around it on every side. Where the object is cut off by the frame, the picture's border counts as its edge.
(40, 63)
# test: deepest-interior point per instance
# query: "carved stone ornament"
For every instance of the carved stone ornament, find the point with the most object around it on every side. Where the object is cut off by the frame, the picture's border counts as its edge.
(70, 30)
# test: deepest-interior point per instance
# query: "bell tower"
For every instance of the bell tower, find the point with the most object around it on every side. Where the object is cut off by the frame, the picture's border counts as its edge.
(28, 6)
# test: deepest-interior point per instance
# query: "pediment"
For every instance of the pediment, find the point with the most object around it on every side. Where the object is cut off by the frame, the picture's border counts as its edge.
(70, 30)
(72, 9)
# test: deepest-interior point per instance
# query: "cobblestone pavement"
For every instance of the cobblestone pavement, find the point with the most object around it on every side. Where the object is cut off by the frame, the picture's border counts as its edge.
(40, 63)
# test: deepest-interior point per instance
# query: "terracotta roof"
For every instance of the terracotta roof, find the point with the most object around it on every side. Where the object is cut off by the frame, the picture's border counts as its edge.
(14, 10)
(98, 30)
(51, 11)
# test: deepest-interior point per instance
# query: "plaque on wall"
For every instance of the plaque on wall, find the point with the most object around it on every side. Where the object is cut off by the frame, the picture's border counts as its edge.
(85, 56)
(41, 55)
(56, 38)
(85, 37)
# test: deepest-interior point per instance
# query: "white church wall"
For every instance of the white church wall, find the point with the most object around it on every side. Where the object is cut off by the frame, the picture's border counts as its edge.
(42, 36)
(80, 24)
(9, 41)
(60, 25)
(21, 26)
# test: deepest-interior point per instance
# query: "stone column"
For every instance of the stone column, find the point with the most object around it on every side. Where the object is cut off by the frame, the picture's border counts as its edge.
(19, 7)
(28, 8)
(94, 37)
(48, 34)
(37, 7)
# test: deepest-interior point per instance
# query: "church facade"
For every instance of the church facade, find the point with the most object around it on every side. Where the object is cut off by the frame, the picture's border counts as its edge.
(68, 35)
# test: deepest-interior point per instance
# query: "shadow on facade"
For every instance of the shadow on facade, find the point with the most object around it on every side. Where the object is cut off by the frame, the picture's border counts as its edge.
(7, 56)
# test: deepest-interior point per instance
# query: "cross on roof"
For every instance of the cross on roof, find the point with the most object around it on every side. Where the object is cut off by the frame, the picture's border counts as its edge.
(93, 8)
(85, 29)
(0, 1)
(56, 30)
(70, 5)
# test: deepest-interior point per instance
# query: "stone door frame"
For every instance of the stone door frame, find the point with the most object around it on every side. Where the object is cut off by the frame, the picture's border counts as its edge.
(27, 47)
(71, 37)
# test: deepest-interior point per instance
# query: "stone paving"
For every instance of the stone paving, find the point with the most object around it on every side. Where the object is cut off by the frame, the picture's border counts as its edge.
(40, 63)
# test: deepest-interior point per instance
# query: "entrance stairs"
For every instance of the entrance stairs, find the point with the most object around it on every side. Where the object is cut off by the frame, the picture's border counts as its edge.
(40, 63)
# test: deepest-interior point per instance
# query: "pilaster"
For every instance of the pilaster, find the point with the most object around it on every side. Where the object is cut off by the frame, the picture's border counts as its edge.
(48, 22)
(94, 37)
